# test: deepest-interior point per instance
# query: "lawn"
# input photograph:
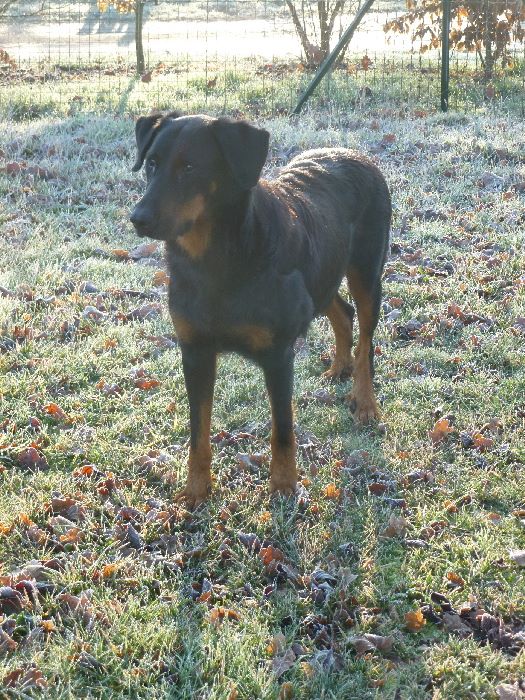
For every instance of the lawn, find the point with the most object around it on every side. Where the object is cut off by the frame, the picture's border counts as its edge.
(396, 573)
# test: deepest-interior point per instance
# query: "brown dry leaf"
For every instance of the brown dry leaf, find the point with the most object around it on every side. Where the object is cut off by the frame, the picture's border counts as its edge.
(361, 645)
(517, 556)
(145, 250)
(450, 506)
(24, 679)
(6, 643)
(283, 662)
(377, 488)
(72, 536)
(506, 691)
(80, 606)
(365, 643)
(269, 554)
(160, 279)
(494, 518)
(365, 62)
(331, 491)
(218, 615)
(32, 460)
(455, 579)
(146, 384)
(382, 644)
(5, 529)
(120, 253)
(48, 626)
(54, 410)
(453, 623)
(480, 442)
(397, 526)
(415, 620)
(277, 645)
(286, 691)
(441, 429)
(68, 507)
(146, 311)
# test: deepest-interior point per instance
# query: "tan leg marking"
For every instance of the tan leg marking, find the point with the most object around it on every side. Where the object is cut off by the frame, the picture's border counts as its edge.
(362, 399)
(342, 364)
(283, 468)
(198, 483)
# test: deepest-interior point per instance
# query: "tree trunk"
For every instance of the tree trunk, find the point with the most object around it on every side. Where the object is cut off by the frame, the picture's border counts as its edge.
(487, 41)
(139, 46)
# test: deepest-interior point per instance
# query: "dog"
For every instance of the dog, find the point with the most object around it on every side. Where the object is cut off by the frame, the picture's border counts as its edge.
(253, 261)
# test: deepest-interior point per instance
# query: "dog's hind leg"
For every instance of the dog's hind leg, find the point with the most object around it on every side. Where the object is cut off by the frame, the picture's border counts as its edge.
(366, 293)
(341, 316)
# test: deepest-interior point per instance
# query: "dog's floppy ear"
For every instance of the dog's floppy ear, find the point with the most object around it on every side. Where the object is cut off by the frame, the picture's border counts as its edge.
(146, 129)
(244, 148)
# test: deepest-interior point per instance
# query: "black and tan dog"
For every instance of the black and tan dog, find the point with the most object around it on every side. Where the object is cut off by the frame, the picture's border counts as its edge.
(253, 261)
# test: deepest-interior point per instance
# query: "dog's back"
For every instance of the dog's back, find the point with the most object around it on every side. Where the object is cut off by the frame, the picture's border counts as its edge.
(333, 207)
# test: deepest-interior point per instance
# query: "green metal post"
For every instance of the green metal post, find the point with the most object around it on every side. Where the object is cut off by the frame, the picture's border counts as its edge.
(445, 55)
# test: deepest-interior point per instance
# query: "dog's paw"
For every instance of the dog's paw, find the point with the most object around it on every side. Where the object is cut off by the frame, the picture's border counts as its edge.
(363, 408)
(338, 370)
(193, 494)
(283, 487)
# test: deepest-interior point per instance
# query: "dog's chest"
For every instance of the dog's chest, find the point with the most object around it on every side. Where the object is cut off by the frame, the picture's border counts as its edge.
(248, 319)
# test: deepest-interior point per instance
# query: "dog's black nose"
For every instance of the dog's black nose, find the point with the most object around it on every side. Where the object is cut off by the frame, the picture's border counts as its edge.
(141, 220)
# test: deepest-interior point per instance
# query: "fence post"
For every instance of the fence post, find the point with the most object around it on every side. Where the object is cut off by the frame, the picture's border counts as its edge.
(139, 47)
(445, 54)
(332, 56)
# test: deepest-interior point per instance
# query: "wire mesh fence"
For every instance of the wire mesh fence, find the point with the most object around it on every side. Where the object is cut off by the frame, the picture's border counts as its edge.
(241, 56)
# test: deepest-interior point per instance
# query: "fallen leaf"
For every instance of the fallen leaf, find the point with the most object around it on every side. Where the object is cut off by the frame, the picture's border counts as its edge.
(286, 691)
(283, 663)
(366, 643)
(218, 615)
(6, 643)
(24, 679)
(160, 279)
(80, 606)
(120, 253)
(377, 488)
(331, 491)
(480, 442)
(441, 429)
(54, 410)
(455, 579)
(269, 554)
(518, 556)
(453, 623)
(32, 460)
(397, 526)
(415, 620)
(145, 250)
(506, 691)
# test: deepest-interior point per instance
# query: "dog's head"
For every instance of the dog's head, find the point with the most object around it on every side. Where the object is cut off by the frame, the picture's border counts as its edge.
(194, 166)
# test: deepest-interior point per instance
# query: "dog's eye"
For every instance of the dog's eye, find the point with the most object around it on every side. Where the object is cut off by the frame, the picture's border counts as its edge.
(188, 168)
(151, 165)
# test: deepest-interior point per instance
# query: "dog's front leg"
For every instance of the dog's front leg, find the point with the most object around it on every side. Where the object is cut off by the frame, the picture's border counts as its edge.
(278, 373)
(199, 363)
